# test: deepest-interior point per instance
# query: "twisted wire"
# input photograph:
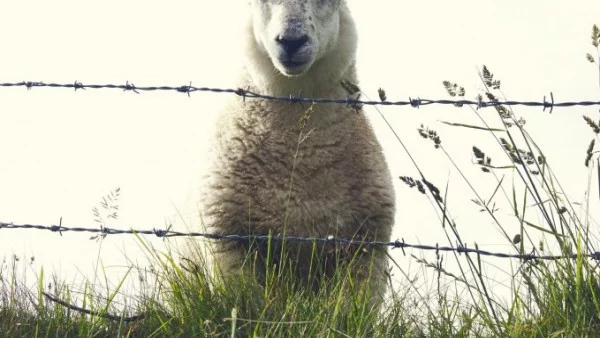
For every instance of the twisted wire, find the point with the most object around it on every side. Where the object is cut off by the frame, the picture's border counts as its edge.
(247, 94)
(397, 244)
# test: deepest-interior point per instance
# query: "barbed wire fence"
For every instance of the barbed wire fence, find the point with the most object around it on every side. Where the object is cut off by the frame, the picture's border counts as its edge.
(352, 101)
(546, 103)
(104, 231)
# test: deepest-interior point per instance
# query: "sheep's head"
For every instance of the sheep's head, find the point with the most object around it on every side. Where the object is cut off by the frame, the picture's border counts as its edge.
(295, 33)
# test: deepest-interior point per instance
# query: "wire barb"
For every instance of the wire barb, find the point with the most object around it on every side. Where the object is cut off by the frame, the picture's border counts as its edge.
(415, 103)
(242, 92)
(186, 89)
(31, 84)
(549, 104)
(130, 87)
(78, 85)
(57, 228)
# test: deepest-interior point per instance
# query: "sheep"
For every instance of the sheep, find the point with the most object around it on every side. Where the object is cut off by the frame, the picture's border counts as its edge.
(291, 169)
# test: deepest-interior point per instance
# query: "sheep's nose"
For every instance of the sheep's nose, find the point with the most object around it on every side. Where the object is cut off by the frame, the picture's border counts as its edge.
(291, 45)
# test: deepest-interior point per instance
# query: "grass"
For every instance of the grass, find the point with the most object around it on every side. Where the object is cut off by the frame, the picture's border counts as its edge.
(549, 298)
(189, 303)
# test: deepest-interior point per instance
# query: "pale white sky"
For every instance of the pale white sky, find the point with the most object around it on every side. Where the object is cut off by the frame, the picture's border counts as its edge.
(61, 151)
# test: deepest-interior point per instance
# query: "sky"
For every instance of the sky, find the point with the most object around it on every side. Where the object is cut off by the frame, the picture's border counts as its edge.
(62, 151)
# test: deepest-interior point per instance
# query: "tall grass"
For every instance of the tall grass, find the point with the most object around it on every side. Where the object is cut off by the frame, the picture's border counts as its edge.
(556, 298)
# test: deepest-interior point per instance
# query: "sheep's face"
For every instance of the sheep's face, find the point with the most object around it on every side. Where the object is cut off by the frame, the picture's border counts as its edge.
(295, 33)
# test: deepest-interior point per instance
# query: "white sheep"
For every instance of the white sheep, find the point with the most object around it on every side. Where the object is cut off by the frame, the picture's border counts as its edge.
(271, 175)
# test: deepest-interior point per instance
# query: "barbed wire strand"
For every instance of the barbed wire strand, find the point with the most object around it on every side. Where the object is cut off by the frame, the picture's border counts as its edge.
(245, 93)
(397, 244)
(92, 312)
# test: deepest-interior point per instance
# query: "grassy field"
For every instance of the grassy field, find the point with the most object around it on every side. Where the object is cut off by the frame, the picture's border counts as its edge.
(550, 298)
